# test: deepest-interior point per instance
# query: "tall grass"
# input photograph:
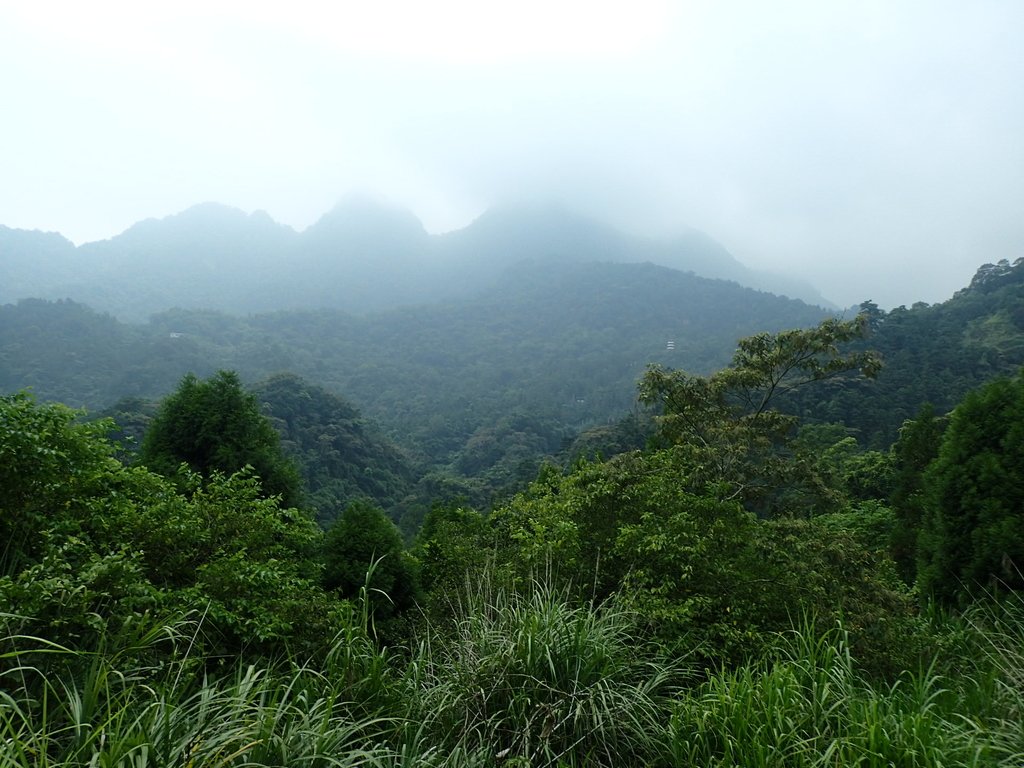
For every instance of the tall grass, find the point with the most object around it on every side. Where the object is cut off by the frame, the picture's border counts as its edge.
(535, 680)
(999, 627)
(91, 710)
(810, 708)
(522, 679)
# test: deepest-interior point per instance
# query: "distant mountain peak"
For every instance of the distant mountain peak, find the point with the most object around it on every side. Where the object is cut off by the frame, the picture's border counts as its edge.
(203, 222)
(362, 255)
(361, 215)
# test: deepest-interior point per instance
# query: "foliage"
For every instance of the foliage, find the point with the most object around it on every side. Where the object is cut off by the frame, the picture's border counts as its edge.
(363, 550)
(917, 446)
(249, 565)
(972, 535)
(101, 544)
(933, 354)
(119, 713)
(630, 433)
(491, 384)
(856, 474)
(216, 426)
(49, 466)
(707, 575)
(455, 545)
(727, 422)
(643, 566)
(562, 343)
(810, 709)
(532, 679)
(538, 679)
(340, 456)
(870, 523)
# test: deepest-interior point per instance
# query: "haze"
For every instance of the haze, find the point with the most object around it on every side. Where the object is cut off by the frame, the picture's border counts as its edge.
(872, 148)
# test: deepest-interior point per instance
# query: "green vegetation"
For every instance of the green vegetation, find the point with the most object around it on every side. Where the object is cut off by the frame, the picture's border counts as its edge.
(216, 426)
(728, 423)
(742, 590)
(477, 393)
(932, 354)
(339, 455)
(363, 551)
(971, 532)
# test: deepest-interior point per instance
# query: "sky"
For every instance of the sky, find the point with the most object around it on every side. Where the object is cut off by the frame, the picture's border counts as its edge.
(874, 149)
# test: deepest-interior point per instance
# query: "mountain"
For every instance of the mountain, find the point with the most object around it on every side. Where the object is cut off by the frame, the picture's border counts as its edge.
(32, 263)
(208, 256)
(340, 455)
(931, 354)
(360, 257)
(478, 388)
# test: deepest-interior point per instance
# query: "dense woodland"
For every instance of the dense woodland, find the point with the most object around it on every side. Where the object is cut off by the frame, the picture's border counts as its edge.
(516, 529)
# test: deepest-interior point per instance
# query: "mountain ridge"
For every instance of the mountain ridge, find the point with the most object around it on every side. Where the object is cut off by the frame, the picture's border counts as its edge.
(360, 256)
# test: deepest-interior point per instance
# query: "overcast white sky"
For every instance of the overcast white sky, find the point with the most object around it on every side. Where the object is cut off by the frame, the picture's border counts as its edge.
(874, 148)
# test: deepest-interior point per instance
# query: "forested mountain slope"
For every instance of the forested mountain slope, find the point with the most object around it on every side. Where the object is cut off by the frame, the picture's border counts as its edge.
(339, 455)
(480, 387)
(359, 257)
(932, 354)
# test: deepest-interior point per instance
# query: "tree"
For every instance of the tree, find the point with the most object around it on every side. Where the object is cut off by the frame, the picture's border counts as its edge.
(339, 455)
(48, 465)
(708, 577)
(728, 421)
(917, 447)
(972, 535)
(216, 426)
(93, 545)
(364, 548)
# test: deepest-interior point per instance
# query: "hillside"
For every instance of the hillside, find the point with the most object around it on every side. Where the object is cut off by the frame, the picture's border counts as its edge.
(476, 388)
(932, 354)
(359, 257)
(481, 388)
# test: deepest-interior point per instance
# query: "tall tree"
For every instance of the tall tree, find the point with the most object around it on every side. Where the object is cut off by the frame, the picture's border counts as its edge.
(972, 534)
(216, 426)
(917, 447)
(728, 422)
(48, 463)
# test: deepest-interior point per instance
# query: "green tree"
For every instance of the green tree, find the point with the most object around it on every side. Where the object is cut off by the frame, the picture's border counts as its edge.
(728, 422)
(60, 486)
(216, 426)
(49, 464)
(95, 545)
(709, 578)
(339, 455)
(364, 548)
(917, 447)
(972, 535)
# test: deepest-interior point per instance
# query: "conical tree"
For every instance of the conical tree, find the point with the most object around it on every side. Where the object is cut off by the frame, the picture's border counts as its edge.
(216, 426)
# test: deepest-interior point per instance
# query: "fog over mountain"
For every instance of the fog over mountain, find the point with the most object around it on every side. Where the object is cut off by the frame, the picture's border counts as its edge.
(359, 256)
(871, 149)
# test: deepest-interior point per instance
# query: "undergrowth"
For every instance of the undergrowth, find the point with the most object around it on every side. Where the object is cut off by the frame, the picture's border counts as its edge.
(523, 679)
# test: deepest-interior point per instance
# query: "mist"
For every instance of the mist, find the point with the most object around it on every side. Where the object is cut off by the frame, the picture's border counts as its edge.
(871, 149)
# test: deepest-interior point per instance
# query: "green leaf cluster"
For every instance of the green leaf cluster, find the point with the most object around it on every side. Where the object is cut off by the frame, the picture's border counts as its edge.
(216, 426)
(972, 530)
(729, 425)
(95, 544)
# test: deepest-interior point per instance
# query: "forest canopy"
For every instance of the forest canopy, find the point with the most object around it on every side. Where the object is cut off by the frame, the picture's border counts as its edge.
(748, 582)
